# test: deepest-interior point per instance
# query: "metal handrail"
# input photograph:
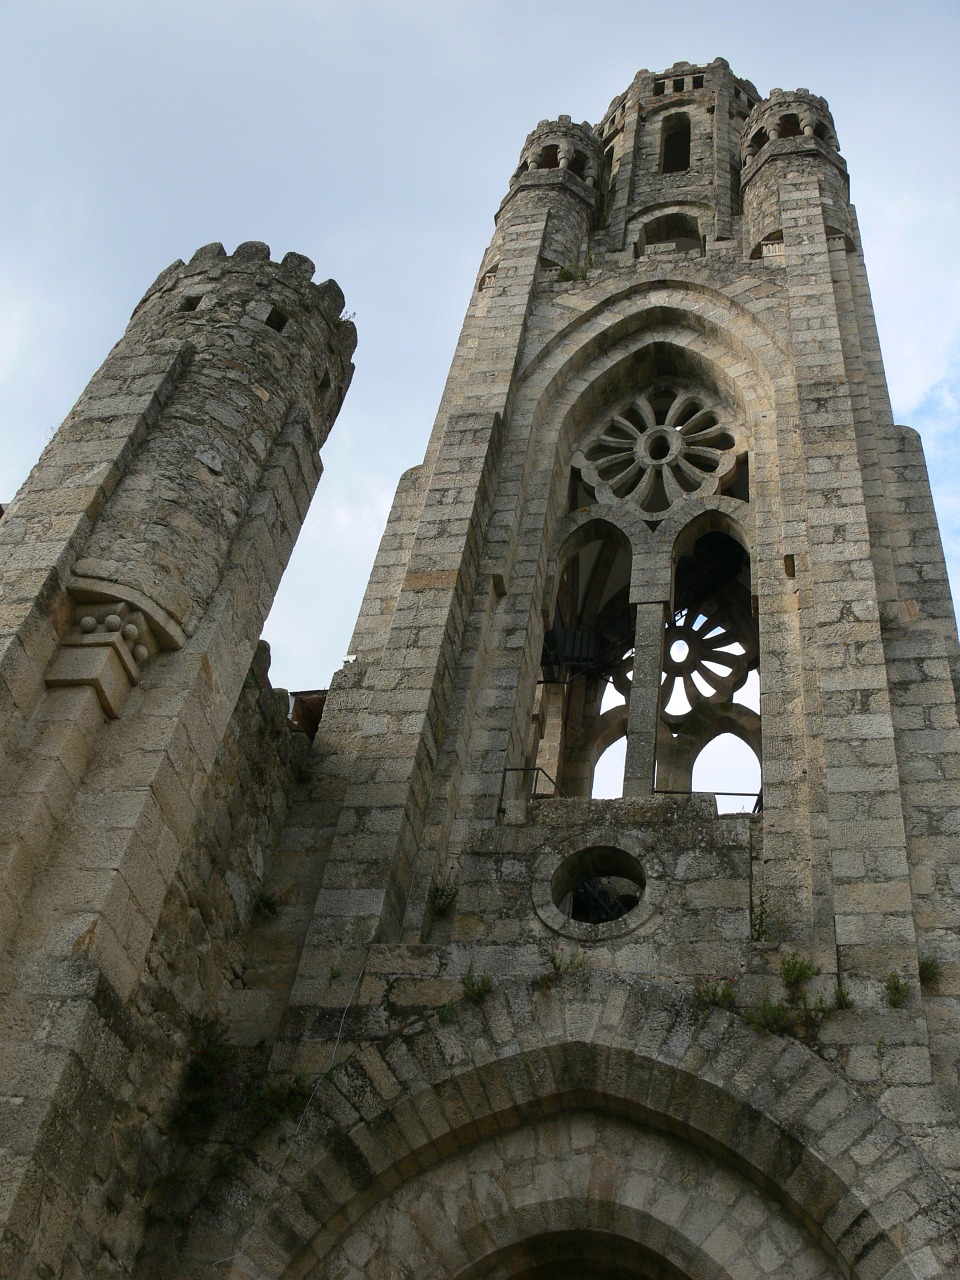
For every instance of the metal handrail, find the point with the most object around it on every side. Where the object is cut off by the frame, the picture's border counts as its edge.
(535, 769)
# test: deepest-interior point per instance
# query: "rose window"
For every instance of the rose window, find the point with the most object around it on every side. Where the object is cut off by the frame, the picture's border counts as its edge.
(662, 448)
(705, 657)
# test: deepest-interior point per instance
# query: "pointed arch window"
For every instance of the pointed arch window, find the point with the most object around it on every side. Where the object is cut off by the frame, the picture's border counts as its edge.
(587, 657)
(709, 685)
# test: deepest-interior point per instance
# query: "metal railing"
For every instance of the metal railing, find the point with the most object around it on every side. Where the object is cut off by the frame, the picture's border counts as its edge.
(534, 794)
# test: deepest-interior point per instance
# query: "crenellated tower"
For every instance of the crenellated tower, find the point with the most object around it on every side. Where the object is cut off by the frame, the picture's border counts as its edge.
(139, 561)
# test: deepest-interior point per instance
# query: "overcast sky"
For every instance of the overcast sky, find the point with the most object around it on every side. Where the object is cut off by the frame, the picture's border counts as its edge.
(378, 138)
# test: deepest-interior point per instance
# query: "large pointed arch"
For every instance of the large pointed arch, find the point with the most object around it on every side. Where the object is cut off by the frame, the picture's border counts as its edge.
(419, 1110)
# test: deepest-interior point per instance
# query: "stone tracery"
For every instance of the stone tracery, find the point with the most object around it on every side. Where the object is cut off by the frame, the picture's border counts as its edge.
(664, 446)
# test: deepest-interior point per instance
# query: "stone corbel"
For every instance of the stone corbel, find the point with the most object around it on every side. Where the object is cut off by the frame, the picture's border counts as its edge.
(116, 630)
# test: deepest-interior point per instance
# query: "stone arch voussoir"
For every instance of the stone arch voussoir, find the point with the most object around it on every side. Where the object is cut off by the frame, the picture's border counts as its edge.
(638, 1054)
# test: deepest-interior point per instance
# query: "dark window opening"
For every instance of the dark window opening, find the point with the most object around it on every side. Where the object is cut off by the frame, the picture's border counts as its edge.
(549, 158)
(698, 82)
(675, 154)
(588, 648)
(608, 186)
(790, 127)
(191, 302)
(659, 88)
(678, 86)
(735, 190)
(578, 164)
(600, 900)
(758, 141)
(276, 320)
(679, 229)
(820, 131)
(736, 92)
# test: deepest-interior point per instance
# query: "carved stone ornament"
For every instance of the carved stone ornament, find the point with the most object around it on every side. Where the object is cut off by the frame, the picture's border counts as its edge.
(110, 640)
(706, 646)
(662, 448)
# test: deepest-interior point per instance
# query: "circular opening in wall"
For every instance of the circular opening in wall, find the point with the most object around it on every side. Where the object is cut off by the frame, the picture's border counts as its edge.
(597, 885)
(679, 650)
(659, 447)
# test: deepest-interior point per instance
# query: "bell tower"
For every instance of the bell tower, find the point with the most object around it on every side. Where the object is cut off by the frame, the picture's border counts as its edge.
(664, 500)
(663, 478)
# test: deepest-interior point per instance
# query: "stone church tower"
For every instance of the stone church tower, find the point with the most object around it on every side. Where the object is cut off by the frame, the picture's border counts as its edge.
(412, 1003)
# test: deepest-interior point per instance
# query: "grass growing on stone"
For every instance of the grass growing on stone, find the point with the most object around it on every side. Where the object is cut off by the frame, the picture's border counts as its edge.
(719, 993)
(796, 1015)
(561, 962)
(898, 989)
(842, 998)
(443, 893)
(930, 970)
(575, 270)
(796, 972)
(476, 987)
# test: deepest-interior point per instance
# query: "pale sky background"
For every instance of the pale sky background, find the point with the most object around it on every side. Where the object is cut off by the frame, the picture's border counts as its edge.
(378, 138)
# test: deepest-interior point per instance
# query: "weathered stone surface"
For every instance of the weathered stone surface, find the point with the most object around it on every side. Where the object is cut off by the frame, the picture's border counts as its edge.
(413, 1002)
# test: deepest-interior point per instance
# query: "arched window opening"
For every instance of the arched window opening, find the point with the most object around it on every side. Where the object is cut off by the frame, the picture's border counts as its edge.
(709, 684)
(608, 772)
(757, 142)
(549, 158)
(678, 231)
(729, 768)
(675, 146)
(587, 652)
(578, 165)
(790, 126)
(770, 246)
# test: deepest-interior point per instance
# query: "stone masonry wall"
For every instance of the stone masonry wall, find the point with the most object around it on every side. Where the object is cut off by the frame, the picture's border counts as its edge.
(152, 1161)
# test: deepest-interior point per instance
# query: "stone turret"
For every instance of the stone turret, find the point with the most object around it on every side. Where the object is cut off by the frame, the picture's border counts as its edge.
(265, 346)
(559, 170)
(790, 134)
(261, 355)
(137, 565)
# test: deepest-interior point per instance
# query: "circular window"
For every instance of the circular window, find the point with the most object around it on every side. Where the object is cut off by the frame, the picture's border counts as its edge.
(597, 885)
(658, 449)
(596, 892)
